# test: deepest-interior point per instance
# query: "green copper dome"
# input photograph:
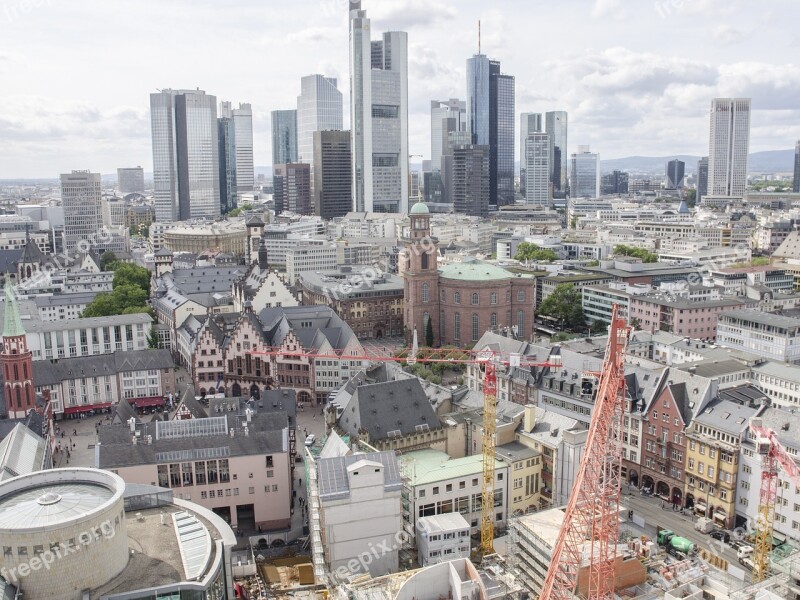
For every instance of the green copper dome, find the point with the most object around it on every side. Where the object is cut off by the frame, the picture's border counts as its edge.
(420, 208)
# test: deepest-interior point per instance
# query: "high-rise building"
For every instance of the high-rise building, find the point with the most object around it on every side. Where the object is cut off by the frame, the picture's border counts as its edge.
(674, 178)
(471, 180)
(378, 116)
(284, 136)
(555, 123)
(538, 187)
(729, 143)
(236, 170)
(796, 183)
(615, 182)
(446, 116)
(319, 108)
(83, 213)
(445, 180)
(185, 154)
(333, 192)
(292, 188)
(702, 179)
(528, 123)
(584, 174)
(130, 180)
(490, 121)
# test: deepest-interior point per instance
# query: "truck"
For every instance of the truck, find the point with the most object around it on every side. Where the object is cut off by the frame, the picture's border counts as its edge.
(674, 543)
(704, 525)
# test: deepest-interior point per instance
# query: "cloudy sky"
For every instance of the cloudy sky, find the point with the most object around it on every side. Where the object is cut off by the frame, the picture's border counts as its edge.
(636, 76)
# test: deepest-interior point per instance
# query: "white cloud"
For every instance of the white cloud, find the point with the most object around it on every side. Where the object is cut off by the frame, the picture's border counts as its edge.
(603, 9)
(727, 35)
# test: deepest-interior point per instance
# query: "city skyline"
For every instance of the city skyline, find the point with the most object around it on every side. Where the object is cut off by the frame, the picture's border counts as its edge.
(616, 93)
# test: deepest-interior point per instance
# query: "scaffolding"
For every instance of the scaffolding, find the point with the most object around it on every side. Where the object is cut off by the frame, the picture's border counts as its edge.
(315, 521)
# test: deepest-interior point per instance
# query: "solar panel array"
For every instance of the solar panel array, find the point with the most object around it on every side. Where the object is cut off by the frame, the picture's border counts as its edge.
(193, 454)
(173, 430)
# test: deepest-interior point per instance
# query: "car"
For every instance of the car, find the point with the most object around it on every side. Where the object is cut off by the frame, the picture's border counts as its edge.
(721, 535)
(310, 440)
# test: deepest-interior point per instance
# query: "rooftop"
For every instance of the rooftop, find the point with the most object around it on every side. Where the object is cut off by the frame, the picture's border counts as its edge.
(762, 318)
(431, 466)
(474, 271)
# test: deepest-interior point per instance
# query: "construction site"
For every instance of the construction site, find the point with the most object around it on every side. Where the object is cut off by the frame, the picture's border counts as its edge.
(371, 535)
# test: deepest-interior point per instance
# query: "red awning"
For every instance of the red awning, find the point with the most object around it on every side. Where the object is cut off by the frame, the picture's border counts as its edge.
(83, 408)
(145, 402)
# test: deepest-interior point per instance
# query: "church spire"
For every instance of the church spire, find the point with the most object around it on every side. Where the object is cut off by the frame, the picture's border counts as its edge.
(12, 323)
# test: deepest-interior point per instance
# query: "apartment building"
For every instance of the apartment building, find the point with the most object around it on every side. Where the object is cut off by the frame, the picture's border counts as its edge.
(770, 335)
(663, 311)
(779, 381)
(442, 538)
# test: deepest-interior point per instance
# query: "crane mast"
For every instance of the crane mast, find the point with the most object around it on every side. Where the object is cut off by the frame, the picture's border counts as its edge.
(591, 526)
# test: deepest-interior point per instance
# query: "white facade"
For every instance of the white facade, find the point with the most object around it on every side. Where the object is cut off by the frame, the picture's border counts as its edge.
(779, 381)
(243, 142)
(319, 108)
(769, 335)
(309, 256)
(729, 143)
(83, 214)
(538, 185)
(442, 538)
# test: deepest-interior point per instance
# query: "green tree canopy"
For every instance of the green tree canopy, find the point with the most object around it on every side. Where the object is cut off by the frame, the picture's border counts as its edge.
(564, 304)
(528, 251)
(129, 295)
(645, 255)
(107, 260)
(129, 274)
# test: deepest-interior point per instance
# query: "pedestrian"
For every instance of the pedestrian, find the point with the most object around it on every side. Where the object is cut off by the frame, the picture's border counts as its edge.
(301, 481)
(74, 432)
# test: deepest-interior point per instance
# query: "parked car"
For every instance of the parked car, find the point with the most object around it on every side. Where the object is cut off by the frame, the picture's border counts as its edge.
(310, 440)
(721, 535)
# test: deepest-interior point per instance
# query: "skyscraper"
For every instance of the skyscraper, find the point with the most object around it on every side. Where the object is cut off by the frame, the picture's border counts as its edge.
(471, 180)
(319, 108)
(235, 136)
(490, 121)
(584, 174)
(796, 184)
(292, 188)
(284, 136)
(130, 180)
(83, 214)
(556, 125)
(674, 176)
(528, 123)
(615, 182)
(333, 192)
(446, 116)
(185, 154)
(378, 116)
(729, 143)
(702, 179)
(538, 190)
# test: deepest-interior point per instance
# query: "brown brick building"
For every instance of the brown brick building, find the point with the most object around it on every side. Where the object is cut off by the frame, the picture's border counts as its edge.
(463, 300)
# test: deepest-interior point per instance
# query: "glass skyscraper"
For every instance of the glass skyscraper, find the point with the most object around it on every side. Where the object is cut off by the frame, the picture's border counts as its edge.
(236, 171)
(674, 175)
(702, 179)
(556, 126)
(528, 123)
(584, 174)
(185, 154)
(729, 144)
(378, 116)
(284, 137)
(536, 158)
(796, 184)
(319, 108)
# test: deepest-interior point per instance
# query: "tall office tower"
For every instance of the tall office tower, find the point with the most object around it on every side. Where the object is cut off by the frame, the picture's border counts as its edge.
(185, 154)
(729, 143)
(615, 182)
(236, 170)
(130, 180)
(319, 108)
(555, 123)
(292, 188)
(83, 213)
(675, 174)
(539, 188)
(378, 116)
(490, 121)
(284, 136)
(471, 180)
(584, 174)
(332, 189)
(528, 123)
(702, 179)
(796, 183)
(446, 116)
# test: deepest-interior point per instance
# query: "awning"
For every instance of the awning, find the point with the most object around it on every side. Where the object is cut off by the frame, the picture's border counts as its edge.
(145, 402)
(85, 408)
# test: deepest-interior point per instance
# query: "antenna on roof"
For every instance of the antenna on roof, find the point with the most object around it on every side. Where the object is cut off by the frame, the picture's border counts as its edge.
(479, 36)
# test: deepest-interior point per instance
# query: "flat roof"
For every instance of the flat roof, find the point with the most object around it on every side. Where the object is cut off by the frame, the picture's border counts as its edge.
(444, 522)
(430, 466)
(764, 318)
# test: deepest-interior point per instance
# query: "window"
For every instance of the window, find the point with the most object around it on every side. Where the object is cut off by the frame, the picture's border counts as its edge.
(436, 490)
(520, 295)
(457, 326)
(475, 328)
(422, 493)
(426, 292)
(475, 299)
(456, 298)
(493, 298)
(521, 323)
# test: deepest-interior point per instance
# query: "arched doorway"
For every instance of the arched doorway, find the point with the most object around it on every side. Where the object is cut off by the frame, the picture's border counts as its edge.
(236, 390)
(304, 397)
(662, 490)
(677, 496)
(202, 391)
(648, 484)
(689, 501)
(254, 391)
(633, 478)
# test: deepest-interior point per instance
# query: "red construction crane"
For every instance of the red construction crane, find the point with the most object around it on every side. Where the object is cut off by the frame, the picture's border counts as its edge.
(488, 361)
(772, 455)
(591, 520)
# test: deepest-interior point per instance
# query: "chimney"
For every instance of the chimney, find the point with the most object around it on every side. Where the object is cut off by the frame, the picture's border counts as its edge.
(529, 417)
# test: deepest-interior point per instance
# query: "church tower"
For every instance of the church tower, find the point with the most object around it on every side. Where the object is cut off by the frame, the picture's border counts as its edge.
(255, 230)
(418, 267)
(16, 362)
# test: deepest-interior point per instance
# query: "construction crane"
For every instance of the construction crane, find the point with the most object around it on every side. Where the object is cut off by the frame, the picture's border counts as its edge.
(773, 454)
(486, 360)
(591, 520)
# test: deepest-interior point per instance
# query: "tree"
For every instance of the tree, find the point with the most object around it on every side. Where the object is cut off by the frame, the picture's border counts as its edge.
(564, 304)
(429, 332)
(645, 255)
(153, 341)
(128, 274)
(107, 260)
(598, 327)
(528, 251)
(636, 323)
(593, 263)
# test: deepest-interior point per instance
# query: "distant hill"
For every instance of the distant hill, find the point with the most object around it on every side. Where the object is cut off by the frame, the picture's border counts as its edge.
(769, 161)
